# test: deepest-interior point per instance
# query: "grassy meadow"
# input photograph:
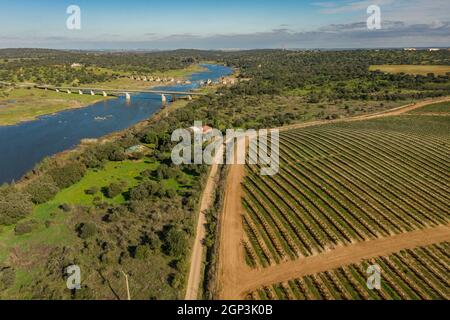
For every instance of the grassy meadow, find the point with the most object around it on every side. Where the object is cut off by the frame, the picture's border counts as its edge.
(18, 105)
(56, 228)
(412, 69)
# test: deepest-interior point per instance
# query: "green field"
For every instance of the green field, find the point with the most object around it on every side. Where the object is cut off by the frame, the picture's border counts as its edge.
(126, 171)
(56, 228)
(412, 69)
(438, 108)
(19, 105)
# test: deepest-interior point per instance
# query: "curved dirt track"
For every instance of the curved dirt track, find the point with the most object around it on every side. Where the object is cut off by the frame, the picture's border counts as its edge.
(236, 278)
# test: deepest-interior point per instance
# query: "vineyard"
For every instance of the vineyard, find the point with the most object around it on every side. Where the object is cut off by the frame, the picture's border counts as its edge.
(421, 273)
(345, 183)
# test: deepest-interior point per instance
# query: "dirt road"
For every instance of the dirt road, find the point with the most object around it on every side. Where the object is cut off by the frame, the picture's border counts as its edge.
(236, 278)
(196, 265)
(335, 258)
(392, 112)
(232, 265)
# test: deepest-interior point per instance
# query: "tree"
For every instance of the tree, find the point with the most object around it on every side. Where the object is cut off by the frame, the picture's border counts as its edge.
(175, 242)
(91, 190)
(14, 205)
(42, 189)
(7, 277)
(142, 252)
(151, 138)
(68, 175)
(87, 230)
(145, 190)
(25, 227)
(113, 190)
(117, 155)
(176, 280)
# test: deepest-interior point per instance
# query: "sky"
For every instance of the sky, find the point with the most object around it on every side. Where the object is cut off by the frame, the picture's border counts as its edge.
(231, 24)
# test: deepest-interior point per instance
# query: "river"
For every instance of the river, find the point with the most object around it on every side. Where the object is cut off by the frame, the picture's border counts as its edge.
(23, 145)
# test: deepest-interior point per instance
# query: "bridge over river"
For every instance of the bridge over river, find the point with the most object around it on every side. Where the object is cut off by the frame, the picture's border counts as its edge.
(126, 92)
(27, 143)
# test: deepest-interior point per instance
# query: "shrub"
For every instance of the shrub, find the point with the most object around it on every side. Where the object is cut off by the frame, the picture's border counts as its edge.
(25, 227)
(175, 242)
(117, 155)
(176, 280)
(142, 252)
(107, 257)
(151, 138)
(42, 189)
(65, 207)
(113, 190)
(163, 172)
(91, 190)
(139, 193)
(154, 242)
(87, 230)
(7, 277)
(144, 190)
(68, 175)
(171, 193)
(14, 205)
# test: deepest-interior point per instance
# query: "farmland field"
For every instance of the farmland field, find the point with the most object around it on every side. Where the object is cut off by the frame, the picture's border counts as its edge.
(412, 69)
(349, 194)
(421, 273)
(347, 182)
(437, 108)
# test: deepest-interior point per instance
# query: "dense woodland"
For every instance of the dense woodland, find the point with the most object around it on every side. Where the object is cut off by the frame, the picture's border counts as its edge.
(149, 234)
(54, 67)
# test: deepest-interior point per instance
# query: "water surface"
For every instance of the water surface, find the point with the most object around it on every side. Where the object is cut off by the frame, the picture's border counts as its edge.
(25, 144)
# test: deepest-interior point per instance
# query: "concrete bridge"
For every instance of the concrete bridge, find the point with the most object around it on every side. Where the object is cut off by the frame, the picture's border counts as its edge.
(122, 92)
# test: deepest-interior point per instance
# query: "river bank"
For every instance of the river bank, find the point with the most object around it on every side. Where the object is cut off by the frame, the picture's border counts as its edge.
(22, 104)
(26, 144)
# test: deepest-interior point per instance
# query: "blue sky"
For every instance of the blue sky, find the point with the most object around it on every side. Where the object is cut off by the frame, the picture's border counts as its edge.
(148, 24)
